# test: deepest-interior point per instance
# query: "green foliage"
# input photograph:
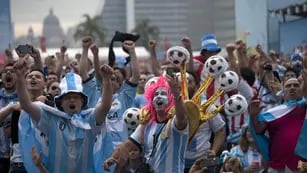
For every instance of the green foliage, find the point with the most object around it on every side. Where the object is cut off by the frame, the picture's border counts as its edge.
(146, 31)
(91, 26)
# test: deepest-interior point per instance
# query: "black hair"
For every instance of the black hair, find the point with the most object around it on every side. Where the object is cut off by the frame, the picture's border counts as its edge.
(122, 71)
(52, 73)
(38, 70)
(289, 69)
(248, 75)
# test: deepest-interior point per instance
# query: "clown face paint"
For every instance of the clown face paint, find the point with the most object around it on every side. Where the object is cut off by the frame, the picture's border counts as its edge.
(160, 99)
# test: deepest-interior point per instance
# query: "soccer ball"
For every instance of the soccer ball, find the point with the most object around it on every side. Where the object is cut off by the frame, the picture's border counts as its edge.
(132, 119)
(178, 75)
(151, 81)
(235, 105)
(177, 55)
(229, 80)
(215, 65)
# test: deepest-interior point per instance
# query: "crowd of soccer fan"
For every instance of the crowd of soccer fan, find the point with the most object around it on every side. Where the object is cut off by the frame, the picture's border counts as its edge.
(238, 112)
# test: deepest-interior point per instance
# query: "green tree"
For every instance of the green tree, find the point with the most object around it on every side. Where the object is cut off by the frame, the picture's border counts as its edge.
(91, 26)
(146, 32)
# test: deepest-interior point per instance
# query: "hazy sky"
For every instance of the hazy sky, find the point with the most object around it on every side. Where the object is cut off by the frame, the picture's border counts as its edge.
(26, 13)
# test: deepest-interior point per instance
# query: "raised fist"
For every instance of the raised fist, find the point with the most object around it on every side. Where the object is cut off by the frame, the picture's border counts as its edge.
(87, 41)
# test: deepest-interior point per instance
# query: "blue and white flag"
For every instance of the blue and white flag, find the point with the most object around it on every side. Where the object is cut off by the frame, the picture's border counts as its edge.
(262, 141)
(29, 136)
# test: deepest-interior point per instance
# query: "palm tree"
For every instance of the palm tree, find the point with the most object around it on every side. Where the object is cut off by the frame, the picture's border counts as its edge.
(91, 27)
(146, 31)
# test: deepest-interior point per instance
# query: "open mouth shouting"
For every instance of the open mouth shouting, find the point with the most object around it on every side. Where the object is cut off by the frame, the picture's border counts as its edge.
(33, 83)
(160, 102)
(8, 81)
(72, 106)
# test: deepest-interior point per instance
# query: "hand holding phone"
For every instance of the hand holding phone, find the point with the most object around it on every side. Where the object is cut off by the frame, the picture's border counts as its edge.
(24, 49)
(170, 72)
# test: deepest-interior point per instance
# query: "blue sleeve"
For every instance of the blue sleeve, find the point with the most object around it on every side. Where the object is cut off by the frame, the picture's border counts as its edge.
(127, 95)
(92, 90)
(90, 118)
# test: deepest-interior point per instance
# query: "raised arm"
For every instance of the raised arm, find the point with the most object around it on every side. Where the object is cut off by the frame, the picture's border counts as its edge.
(135, 71)
(153, 58)
(254, 110)
(23, 95)
(9, 56)
(104, 106)
(60, 61)
(186, 41)
(4, 112)
(242, 54)
(232, 61)
(95, 52)
(180, 109)
(38, 64)
(83, 64)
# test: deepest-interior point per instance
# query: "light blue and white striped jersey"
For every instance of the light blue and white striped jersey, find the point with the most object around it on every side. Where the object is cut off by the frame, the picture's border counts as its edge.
(92, 90)
(4, 141)
(200, 145)
(116, 130)
(140, 101)
(28, 136)
(169, 153)
(247, 158)
(71, 139)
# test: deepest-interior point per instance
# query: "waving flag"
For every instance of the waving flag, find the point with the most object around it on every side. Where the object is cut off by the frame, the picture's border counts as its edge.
(262, 141)
(301, 149)
(30, 136)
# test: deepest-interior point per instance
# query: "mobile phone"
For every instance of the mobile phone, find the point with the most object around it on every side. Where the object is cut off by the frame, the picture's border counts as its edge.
(24, 49)
(170, 72)
(208, 161)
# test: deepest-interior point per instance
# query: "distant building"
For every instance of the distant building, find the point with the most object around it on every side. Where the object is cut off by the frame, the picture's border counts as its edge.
(30, 38)
(53, 31)
(6, 29)
(175, 18)
(114, 17)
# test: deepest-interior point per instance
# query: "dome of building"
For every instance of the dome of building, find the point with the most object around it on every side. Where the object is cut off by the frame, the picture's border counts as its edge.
(51, 19)
(52, 30)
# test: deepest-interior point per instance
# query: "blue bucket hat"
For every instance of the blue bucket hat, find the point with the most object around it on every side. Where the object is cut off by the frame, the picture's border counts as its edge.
(71, 83)
(209, 43)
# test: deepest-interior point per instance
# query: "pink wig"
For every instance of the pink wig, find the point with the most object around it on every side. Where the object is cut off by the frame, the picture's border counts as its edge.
(149, 95)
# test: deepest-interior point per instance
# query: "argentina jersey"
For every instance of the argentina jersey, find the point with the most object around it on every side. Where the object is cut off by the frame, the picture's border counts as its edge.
(164, 154)
(71, 140)
(29, 135)
(92, 90)
(4, 140)
(116, 130)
